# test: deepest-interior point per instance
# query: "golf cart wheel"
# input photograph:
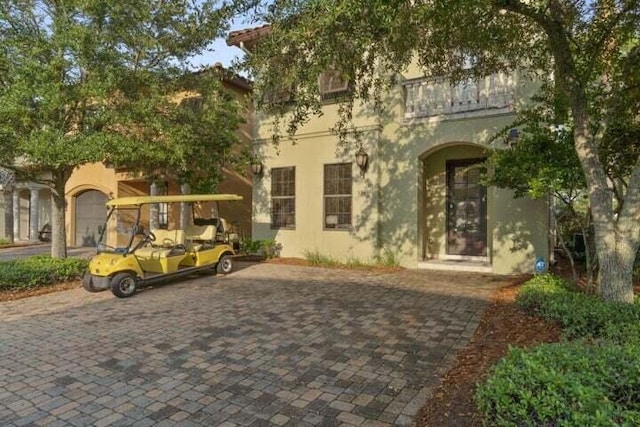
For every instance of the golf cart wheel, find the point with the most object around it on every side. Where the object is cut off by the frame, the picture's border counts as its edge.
(225, 265)
(123, 285)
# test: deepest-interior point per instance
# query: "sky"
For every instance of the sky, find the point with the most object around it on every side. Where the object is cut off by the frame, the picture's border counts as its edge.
(220, 52)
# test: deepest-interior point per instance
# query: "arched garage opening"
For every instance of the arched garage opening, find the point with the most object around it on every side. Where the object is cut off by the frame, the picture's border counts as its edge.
(89, 217)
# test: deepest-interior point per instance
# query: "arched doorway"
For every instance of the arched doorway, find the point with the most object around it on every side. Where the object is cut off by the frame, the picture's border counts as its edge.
(89, 216)
(454, 202)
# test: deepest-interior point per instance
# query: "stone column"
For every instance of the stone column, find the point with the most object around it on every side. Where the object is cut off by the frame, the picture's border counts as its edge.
(34, 214)
(16, 214)
(185, 212)
(8, 214)
(154, 222)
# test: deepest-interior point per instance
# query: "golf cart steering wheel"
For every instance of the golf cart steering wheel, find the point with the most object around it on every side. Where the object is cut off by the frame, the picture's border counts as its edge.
(149, 236)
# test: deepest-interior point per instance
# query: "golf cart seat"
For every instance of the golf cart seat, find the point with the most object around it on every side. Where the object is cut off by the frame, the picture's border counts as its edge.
(199, 236)
(169, 238)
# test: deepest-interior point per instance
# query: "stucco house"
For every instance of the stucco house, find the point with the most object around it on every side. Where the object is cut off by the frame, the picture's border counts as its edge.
(412, 189)
(91, 185)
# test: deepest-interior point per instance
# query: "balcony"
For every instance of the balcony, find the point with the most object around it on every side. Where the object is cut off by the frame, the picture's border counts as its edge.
(437, 98)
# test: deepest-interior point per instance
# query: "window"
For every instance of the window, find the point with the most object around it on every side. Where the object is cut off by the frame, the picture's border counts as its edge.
(332, 85)
(283, 197)
(193, 103)
(337, 196)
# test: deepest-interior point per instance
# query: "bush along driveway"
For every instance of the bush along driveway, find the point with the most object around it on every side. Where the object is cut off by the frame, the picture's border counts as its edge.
(591, 379)
(266, 345)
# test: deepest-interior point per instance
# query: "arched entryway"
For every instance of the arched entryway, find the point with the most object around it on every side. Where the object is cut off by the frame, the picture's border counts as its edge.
(455, 203)
(89, 217)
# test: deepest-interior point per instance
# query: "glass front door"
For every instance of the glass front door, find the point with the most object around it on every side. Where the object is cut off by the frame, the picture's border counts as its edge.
(466, 208)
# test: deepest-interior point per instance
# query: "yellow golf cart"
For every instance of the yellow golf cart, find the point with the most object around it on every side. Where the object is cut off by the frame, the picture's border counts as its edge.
(129, 256)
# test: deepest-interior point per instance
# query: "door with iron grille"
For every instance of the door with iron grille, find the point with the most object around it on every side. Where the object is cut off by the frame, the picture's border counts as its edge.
(466, 208)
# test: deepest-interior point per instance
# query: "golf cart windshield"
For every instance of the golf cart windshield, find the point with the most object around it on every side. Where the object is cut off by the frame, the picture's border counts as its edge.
(120, 229)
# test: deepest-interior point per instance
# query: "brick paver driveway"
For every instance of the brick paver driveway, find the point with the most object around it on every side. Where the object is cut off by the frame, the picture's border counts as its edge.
(266, 345)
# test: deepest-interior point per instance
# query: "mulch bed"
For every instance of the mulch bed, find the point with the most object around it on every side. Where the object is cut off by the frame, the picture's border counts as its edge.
(10, 295)
(502, 325)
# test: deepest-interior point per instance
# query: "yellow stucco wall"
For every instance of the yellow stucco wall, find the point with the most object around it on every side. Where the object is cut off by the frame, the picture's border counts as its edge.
(398, 205)
(309, 155)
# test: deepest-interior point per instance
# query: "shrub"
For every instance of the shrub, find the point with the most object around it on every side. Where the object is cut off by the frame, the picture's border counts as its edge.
(267, 248)
(566, 384)
(578, 314)
(38, 271)
(3, 242)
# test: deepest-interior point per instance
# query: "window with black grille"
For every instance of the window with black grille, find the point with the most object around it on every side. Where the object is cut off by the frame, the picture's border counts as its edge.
(337, 196)
(283, 197)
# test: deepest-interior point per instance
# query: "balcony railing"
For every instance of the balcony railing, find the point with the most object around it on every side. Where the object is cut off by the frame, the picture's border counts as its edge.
(433, 97)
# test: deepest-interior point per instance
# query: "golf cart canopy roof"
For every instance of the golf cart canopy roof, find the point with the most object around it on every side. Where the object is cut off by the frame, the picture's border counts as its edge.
(178, 198)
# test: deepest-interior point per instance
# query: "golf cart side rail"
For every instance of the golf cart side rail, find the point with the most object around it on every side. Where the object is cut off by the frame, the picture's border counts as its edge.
(178, 198)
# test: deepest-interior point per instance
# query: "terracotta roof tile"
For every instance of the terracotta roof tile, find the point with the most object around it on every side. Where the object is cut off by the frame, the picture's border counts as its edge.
(247, 35)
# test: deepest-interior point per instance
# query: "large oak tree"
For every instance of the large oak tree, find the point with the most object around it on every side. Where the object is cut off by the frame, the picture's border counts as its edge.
(586, 52)
(91, 80)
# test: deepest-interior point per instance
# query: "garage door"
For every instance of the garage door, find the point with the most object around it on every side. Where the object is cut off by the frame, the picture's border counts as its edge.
(90, 216)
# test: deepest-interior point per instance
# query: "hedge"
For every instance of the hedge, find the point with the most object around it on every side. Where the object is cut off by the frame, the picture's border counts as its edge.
(593, 380)
(38, 271)
(578, 314)
(566, 384)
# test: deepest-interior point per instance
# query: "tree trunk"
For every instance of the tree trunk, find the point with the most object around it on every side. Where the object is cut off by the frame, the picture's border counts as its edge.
(615, 277)
(58, 207)
(616, 238)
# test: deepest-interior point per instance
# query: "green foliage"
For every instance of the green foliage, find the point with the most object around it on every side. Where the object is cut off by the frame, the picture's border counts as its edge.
(3, 242)
(39, 271)
(387, 259)
(578, 314)
(542, 162)
(92, 81)
(321, 260)
(593, 380)
(566, 384)
(267, 248)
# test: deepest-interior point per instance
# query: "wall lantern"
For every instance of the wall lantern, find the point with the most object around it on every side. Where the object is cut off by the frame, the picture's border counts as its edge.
(256, 168)
(362, 160)
(512, 137)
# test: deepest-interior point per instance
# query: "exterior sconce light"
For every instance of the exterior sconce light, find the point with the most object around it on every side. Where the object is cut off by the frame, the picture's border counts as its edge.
(512, 137)
(256, 168)
(362, 160)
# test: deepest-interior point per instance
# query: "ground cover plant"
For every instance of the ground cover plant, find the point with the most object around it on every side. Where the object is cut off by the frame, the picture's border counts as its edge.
(591, 378)
(318, 259)
(39, 271)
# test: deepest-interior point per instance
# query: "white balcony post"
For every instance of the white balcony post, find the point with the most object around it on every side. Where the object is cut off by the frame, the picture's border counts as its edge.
(34, 214)
(8, 213)
(16, 214)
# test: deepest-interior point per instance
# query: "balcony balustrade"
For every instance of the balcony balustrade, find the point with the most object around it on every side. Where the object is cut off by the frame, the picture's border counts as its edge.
(437, 97)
